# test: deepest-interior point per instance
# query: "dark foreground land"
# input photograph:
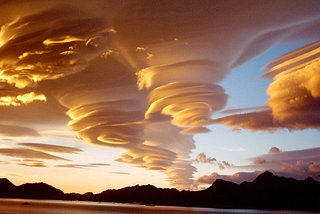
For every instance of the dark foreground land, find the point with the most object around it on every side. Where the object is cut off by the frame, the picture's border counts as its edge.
(265, 192)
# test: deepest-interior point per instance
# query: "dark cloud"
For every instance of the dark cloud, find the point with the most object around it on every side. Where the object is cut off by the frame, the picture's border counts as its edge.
(17, 131)
(28, 154)
(274, 150)
(52, 148)
(120, 173)
(236, 178)
(99, 164)
(82, 166)
(259, 161)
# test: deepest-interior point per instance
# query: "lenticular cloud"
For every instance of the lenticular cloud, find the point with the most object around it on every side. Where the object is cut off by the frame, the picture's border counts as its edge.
(144, 76)
(49, 45)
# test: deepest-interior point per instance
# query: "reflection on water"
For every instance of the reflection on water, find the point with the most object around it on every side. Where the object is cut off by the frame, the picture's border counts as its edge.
(23, 206)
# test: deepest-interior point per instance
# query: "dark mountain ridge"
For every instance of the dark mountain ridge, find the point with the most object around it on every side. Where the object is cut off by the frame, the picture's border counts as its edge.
(267, 191)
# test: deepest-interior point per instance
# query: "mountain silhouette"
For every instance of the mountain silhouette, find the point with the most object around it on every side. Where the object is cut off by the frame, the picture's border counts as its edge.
(29, 191)
(267, 191)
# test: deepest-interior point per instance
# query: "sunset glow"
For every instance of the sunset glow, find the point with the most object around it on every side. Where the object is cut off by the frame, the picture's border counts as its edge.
(109, 94)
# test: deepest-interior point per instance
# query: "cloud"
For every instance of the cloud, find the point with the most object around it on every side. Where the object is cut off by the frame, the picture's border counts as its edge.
(99, 164)
(81, 166)
(120, 173)
(4, 162)
(202, 158)
(259, 161)
(291, 156)
(254, 121)
(52, 148)
(52, 43)
(250, 109)
(294, 95)
(77, 166)
(28, 154)
(298, 163)
(17, 131)
(274, 150)
(236, 178)
(32, 163)
(109, 70)
(21, 99)
(240, 149)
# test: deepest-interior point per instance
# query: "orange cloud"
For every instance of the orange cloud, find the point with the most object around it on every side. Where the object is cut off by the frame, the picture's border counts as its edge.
(295, 91)
(142, 76)
(294, 95)
(32, 163)
(21, 99)
(52, 44)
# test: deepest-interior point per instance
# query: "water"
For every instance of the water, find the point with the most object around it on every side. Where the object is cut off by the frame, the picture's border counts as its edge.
(16, 206)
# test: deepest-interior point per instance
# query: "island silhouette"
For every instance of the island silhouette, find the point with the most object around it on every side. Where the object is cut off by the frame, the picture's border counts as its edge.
(267, 191)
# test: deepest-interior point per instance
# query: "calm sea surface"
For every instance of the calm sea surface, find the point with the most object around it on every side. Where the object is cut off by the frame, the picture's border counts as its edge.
(16, 206)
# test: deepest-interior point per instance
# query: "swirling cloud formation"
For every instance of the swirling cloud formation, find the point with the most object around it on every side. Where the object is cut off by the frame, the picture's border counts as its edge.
(145, 77)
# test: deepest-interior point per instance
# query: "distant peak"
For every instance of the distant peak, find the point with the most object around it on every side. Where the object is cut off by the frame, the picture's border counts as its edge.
(266, 176)
(267, 173)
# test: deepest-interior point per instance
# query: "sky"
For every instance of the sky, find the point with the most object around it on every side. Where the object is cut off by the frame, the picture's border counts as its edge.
(174, 93)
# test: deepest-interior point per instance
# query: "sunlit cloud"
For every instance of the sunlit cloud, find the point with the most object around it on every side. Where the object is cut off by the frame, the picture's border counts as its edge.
(202, 158)
(4, 162)
(128, 80)
(52, 44)
(21, 99)
(294, 95)
(77, 166)
(32, 163)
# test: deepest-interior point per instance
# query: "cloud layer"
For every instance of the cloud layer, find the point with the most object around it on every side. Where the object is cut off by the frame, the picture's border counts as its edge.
(127, 77)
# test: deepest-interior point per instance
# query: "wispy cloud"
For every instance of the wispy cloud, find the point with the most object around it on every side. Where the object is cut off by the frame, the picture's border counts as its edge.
(52, 148)
(120, 173)
(32, 163)
(17, 131)
(28, 154)
(82, 166)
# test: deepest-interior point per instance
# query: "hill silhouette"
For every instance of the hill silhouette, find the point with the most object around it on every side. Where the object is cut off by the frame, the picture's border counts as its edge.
(267, 191)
